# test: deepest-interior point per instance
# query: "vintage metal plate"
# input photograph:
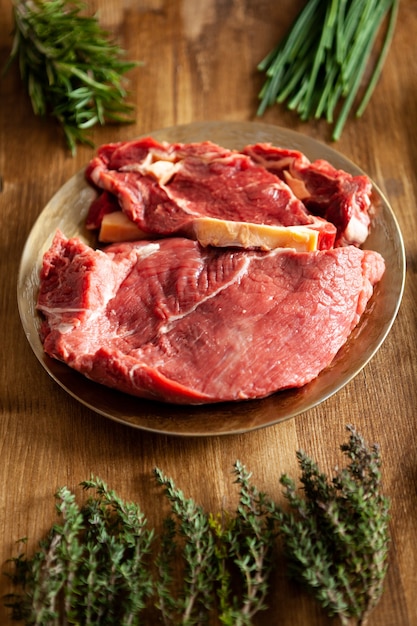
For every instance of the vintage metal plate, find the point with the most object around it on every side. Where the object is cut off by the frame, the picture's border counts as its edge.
(67, 211)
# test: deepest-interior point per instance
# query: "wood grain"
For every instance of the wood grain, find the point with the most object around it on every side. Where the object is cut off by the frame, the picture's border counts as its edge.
(199, 64)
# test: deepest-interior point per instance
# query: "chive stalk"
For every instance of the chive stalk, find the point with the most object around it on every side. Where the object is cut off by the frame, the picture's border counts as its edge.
(320, 65)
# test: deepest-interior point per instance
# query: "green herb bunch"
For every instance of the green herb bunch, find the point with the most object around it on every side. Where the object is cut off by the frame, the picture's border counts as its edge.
(337, 536)
(246, 540)
(186, 539)
(102, 565)
(91, 568)
(318, 67)
(97, 566)
(71, 68)
(227, 560)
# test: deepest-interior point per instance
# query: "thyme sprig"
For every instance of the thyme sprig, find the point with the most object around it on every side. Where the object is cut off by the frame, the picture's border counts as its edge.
(118, 543)
(244, 550)
(319, 66)
(190, 523)
(227, 560)
(337, 536)
(70, 66)
(92, 568)
(98, 564)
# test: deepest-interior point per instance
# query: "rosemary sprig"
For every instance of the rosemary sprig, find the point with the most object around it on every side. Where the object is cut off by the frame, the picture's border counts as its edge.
(319, 66)
(71, 68)
(337, 536)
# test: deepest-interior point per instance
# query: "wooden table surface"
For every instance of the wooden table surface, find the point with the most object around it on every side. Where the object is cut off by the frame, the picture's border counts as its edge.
(200, 64)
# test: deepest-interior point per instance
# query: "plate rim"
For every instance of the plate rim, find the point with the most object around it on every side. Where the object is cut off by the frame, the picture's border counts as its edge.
(55, 368)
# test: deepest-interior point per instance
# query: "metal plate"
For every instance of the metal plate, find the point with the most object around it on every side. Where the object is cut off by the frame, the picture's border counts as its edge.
(67, 211)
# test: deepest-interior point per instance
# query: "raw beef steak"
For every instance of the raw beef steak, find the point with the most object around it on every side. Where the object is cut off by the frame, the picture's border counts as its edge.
(176, 322)
(337, 196)
(163, 188)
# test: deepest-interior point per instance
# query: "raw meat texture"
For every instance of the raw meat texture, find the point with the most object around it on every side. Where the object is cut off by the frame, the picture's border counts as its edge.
(340, 198)
(176, 322)
(164, 187)
(104, 204)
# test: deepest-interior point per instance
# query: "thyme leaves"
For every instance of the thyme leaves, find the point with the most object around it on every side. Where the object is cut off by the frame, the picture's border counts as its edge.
(101, 564)
(337, 536)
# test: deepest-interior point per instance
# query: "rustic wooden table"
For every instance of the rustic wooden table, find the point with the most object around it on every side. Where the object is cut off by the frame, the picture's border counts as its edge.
(200, 64)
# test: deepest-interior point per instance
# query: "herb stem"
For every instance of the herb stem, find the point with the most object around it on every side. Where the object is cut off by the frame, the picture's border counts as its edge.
(96, 566)
(319, 66)
(70, 66)
(381, 59)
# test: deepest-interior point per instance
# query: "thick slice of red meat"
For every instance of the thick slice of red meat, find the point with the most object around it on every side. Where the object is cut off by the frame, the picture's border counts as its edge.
(335, 195)
(164, 187)
(176, 322)
(102, 205)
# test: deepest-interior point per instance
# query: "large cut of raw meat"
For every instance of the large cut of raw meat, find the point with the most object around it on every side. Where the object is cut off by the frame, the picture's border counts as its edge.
(164, 188)
(173, 321)
(337, 196)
